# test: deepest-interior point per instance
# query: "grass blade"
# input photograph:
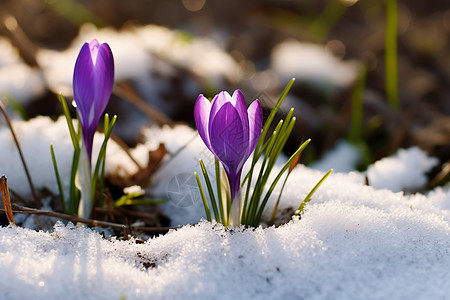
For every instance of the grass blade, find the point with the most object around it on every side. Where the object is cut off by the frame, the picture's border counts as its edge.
(274, 110)
(391, 65)
(202, 193)
(102, 152)
(74, 197)
(273, 155)
(249, 207)
(210, 190)
(272, 186)
(219, 189)
(73, 135)
(291, 167)
(36, 199)
(125, 200)
(308, 197)
(58, 179)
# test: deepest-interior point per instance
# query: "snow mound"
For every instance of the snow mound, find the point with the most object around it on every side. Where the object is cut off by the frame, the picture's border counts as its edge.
(312, 64)
(405, 170)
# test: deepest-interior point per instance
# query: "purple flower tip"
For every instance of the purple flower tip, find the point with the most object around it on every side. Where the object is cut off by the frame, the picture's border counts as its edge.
(230, 130)
(93, 80)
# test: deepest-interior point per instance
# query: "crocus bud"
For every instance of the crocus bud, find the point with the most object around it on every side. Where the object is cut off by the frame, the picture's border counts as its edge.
(93, 81)
(229, 130)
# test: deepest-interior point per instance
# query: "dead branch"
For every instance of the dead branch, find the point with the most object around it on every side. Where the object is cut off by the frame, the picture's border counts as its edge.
(75, 219)
(124, 92)
(6, 199)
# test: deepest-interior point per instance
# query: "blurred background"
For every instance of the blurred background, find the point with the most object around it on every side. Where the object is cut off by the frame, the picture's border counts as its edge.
(168, 52)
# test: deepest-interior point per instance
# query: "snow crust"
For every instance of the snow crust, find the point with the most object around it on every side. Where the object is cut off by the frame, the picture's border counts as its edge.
(353, 241)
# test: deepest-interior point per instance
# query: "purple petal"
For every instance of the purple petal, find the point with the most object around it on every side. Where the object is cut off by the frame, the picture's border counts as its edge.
(104, 70)
(104, 80)
(94, 47)
(241, 108)
(227, 138)
(83, 79)
(202, 109)
(255, 116)
(216, 104)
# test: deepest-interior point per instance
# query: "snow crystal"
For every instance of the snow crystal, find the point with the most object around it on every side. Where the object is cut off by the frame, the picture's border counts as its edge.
(340, 249)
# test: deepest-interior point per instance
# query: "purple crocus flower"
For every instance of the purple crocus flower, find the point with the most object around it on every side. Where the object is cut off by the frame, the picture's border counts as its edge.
(229, 130)
(93, 80)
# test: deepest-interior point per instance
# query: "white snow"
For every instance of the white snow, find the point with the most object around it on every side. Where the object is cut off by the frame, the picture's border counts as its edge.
(403, 171)
(26, 84)
(313, 64)
(408, 167)
(344, 157)
(353, 242)
(200, 55)
(35, 137)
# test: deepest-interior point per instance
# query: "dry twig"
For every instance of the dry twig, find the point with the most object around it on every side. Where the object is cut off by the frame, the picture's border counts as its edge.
(124, 92)
(6, 199)
(75, 219)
